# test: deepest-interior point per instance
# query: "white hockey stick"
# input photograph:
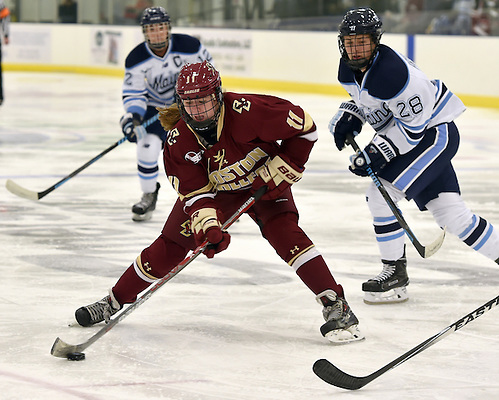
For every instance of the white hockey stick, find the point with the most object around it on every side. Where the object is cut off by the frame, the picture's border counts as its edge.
(334, 376)
(62, 349)
(20, 191)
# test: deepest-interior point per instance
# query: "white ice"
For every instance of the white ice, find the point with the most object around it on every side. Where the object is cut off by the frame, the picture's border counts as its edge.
(241, 326)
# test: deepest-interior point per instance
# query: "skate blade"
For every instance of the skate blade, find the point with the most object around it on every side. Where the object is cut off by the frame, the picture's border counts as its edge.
(142, 217)
(392, 296)
(345, 336)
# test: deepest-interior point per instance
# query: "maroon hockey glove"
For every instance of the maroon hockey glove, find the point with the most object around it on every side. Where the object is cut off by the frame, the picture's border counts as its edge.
(206, 226)
(278, 175)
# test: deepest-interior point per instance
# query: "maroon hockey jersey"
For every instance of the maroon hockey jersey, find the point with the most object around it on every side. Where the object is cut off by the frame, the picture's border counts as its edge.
(251, 130)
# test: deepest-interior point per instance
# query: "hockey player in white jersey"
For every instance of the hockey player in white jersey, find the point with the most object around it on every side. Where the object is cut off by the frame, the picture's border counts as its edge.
(151, 71)
(411, 151)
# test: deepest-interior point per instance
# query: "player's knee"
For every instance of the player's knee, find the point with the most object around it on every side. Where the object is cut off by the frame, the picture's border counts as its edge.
(376, 203)
(449, 210)
(279, 223)
(286, 237)
(160, 258)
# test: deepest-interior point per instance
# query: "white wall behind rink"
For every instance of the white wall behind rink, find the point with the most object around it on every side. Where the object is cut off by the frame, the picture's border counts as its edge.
(257, 59)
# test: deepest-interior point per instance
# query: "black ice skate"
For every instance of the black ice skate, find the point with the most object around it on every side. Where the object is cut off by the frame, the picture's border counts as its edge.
(390, 286)
(341, 323)
(99, 311)
(142, 211)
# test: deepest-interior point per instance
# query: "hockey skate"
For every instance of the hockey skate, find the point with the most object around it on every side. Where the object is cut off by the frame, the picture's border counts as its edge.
(99, 311)
(341, 325)
(142, 211)
(390, 286)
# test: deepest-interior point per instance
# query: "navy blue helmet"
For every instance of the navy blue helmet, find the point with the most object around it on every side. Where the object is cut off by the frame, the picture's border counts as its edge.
(156, 27)
(154, 15)
(357, 22)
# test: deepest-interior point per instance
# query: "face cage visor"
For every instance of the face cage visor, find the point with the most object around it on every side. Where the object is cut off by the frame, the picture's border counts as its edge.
(357, 65)
(157, 35)
(194, 118)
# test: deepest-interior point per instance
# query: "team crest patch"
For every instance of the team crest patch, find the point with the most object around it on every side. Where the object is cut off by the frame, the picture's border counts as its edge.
(194, 157)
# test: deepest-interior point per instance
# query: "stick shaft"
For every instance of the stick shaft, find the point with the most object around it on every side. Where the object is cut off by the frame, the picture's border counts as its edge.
(31, 195)
(61, 348)
(424, 251)
(334, 376)
(77, 171)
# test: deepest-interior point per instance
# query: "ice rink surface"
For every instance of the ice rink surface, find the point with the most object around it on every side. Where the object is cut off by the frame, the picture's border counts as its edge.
(241, 326)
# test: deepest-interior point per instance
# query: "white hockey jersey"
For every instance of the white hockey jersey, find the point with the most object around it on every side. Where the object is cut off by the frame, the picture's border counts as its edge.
(150, 80)
(398, 100)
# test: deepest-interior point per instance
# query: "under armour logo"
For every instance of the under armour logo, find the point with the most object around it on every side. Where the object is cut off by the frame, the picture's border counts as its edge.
(147, 267)
(294, 250)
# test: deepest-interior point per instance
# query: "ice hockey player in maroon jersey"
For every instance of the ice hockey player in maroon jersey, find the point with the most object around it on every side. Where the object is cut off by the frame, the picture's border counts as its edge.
(220, 148)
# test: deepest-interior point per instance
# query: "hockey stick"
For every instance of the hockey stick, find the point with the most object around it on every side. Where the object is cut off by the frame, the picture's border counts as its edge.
(62, 349)
(424, 251)
(32, 195)
(334, 376)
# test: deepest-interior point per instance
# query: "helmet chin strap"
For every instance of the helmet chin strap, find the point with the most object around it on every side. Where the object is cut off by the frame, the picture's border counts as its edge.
(158, 46)
(357, 65)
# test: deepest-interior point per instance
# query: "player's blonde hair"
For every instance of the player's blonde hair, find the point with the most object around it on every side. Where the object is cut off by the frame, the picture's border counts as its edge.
(169, 116)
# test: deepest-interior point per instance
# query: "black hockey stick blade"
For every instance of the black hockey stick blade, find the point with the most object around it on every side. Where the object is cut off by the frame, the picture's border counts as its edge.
(334, 376)
(331, 374)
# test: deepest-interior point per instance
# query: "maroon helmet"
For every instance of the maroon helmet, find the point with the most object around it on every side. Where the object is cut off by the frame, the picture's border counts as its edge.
(197, 81)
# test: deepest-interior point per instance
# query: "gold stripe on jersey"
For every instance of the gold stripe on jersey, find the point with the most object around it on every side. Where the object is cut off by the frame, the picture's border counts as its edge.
(145, 269)
(206, 189)
(309, 122)
(295, 121)
(303, 124)
(298, 252)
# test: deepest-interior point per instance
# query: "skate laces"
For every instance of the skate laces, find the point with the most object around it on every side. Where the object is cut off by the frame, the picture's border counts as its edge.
(101, 310)
(147, 199)
(386, 273)
(333, 311)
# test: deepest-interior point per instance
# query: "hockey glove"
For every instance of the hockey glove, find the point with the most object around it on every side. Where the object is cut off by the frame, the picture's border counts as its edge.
(131, 127)
(206, 226)
(375, 155)
(348, 120)
(278, 175)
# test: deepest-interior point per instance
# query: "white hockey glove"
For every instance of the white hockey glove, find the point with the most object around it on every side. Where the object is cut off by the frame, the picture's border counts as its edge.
(131, 125)
(348, 120)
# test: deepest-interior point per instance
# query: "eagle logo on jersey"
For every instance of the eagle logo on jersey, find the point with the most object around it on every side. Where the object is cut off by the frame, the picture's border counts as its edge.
(220, 158)
(194, 157)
